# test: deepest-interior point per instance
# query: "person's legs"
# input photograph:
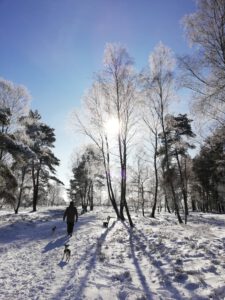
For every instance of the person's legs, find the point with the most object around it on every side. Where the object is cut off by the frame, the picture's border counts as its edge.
(70, 228)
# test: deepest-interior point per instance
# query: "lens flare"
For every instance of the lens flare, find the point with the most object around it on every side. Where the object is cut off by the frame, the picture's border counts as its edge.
(112, 126)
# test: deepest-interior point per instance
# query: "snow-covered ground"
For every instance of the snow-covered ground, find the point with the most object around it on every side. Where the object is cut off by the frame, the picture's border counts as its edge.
(158, 259)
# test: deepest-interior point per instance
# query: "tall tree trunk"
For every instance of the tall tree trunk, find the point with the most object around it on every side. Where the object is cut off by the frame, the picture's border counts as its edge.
(143, 200)
(91, 196)
(184, 192)
(124, 182)
(165, 194)
(122, 177)
(122, 192)
(156, 178)
(21, 190)
(193, 204)
(35, 178)
(167, 204)
(35, 198)
(108, 179)
(126, 206)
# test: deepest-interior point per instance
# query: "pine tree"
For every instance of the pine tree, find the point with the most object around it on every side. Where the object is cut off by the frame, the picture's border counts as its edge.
(41, 141)
(15, 151)
(178, 130)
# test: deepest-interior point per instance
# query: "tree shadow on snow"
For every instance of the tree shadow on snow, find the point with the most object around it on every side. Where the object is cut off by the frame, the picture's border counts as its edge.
(135, 236)
(207, 219)
(137, 265)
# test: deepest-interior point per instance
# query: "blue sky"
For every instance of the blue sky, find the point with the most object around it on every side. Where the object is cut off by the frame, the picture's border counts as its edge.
(53, 47)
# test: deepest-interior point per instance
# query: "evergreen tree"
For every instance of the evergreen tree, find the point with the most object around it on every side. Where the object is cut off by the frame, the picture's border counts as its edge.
(15, 151)
(41, 139)
(178, 130)
(209, 169)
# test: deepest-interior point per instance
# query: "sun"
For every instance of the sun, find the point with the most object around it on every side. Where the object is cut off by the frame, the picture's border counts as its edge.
(112, 126)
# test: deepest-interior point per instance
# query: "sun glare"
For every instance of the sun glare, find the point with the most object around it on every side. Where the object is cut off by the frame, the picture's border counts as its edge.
(112, 126)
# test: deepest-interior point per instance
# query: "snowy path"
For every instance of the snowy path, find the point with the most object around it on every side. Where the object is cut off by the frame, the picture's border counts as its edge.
(158, 259)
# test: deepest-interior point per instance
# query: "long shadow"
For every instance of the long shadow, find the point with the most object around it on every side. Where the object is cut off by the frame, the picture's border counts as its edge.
(91, 262)
(169, 285)
(138, 267)
(136, 238)
(210, 220)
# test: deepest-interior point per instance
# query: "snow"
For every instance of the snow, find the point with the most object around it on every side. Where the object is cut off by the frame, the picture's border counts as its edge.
(158, 259)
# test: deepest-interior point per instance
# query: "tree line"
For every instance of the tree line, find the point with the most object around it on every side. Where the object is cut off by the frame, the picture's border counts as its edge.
(141, 147)
(27, 162)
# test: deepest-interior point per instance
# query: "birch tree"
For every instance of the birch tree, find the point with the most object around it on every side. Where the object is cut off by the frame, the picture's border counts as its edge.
(151, 122)
(204, 71)
(111, 105)
(161, 89)
(92, 123)
(138, 184)
(118, 84)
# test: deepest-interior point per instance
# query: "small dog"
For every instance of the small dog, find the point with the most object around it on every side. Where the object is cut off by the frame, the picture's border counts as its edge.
(53, 229)
(66, 253)
(106, 224)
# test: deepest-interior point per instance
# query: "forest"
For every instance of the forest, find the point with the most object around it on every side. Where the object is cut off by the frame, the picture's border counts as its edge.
(143, 154)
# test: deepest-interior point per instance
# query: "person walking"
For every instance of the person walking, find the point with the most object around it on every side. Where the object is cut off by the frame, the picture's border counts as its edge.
(71, 216)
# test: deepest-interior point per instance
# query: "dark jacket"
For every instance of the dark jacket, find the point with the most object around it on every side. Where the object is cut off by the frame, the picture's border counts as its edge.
(70, 214)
